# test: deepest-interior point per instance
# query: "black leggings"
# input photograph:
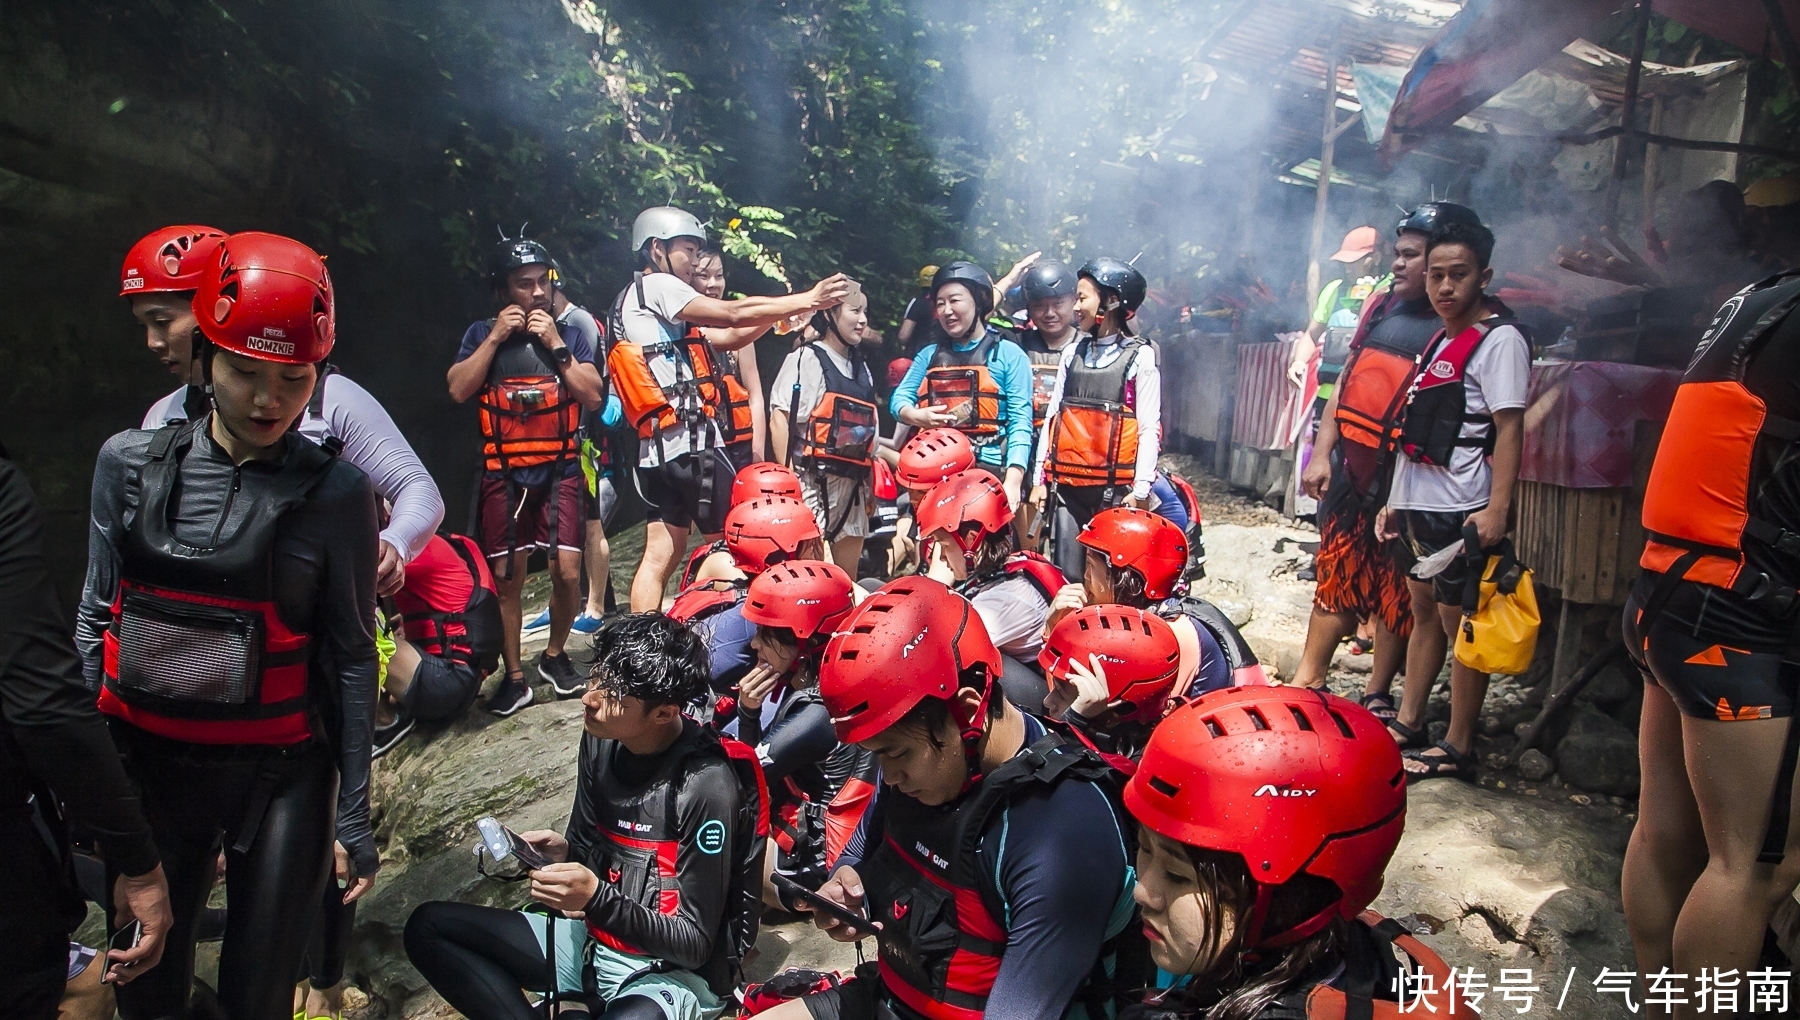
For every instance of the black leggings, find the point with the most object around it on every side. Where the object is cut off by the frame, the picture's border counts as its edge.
(324, 963)
(197, 797)
(478, 958)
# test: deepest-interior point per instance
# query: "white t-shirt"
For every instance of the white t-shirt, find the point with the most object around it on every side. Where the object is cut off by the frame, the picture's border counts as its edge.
(812, 379)
(1496, 378)
(1013, 612)
(373, 443)
(658, 321)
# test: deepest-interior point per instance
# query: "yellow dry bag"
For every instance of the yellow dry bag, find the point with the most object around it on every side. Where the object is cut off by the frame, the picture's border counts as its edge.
(1500, 612)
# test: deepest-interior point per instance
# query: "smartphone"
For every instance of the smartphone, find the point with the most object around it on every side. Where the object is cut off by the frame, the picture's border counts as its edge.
(822, 905)
(123, 940)
(502, 843)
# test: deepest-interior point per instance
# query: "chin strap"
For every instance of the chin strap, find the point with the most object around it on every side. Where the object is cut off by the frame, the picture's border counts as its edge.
(1259, 912)
(973, 729)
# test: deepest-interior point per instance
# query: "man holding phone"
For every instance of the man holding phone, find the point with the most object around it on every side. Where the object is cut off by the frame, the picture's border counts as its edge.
(52, 738)
(647, 885)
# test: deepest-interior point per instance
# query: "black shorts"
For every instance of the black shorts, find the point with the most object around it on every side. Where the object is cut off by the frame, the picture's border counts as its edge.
(1715, 659)
(858, 998)
(673, 490)
(441, 689)
(1423, 532)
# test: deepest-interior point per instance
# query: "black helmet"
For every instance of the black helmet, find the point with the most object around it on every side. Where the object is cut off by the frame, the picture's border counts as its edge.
(1428, 218)
(968, 273)
(1047, 279)
(1122, 278)
(511, 253)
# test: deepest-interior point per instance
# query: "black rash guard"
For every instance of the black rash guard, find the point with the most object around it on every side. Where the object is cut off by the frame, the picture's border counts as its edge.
(708, 792)
(1056, 858)
(801, 743)
(324, 566)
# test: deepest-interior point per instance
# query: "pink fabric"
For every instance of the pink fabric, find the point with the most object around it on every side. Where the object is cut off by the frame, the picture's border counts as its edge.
(1268, 405)
(1582, 417)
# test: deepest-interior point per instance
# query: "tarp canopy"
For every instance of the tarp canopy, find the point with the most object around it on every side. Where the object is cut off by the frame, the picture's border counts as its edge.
(1492, 44)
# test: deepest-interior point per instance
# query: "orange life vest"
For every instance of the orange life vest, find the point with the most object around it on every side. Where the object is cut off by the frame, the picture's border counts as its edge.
(1699, 507)
(962, 383)
(701, 391)
(1094, 439)
(839, 434)
(528, 416)
(1437, 991)
(1371, 390)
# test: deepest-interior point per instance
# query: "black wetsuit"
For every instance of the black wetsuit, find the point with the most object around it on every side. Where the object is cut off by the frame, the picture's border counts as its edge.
(479, 957)
(201, 796)
(51, 739)
(805, 767)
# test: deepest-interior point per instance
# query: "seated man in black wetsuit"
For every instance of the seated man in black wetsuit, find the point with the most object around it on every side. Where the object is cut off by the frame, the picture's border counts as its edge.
(651, 864)
(992, 857)
(795, 607)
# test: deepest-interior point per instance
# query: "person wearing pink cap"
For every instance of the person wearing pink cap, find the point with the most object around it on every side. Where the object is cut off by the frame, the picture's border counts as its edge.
(1360, 255)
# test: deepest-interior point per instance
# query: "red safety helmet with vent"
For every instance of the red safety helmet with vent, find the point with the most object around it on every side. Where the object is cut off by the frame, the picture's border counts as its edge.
(1292, 780)
(1137, 650)
(809, 597)
(934, 455)
(764, 479)
(766, 531)
(914, 639)
(170, 260)
(1148, 543)
(969, 497)
(267, 297)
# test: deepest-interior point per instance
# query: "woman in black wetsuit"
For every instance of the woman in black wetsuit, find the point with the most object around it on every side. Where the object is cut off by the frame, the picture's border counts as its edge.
(226, 621)
(796, 606)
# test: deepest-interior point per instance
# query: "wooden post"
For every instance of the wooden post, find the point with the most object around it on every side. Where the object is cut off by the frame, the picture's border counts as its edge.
(1628, 115)
(1652, 160)
(1568, 645)
(1327, 152)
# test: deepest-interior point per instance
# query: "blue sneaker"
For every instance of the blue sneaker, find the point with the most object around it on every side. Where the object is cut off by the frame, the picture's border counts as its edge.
(540, 622)
(586, 623)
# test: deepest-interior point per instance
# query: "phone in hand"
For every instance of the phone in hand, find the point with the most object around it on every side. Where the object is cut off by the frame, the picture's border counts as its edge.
(822, 905)
(502, 843)
(123, 940)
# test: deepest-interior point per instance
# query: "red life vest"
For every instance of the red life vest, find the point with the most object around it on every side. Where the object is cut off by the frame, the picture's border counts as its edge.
(1034, 567)
(469, 633)
(1700, 504)
(1094, 439)
(962, 383)
(528, 417)
(1372, 388)
(702, 600)
(197, 650)
(941, 940)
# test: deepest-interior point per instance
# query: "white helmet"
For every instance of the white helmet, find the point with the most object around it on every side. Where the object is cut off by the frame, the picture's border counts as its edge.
(665, 223)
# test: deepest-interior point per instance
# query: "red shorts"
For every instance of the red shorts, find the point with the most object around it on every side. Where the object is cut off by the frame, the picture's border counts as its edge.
(527, 508)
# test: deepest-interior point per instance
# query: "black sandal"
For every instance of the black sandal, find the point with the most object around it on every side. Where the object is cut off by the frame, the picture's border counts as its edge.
(1410, 739)
(1451, 763)
(1381, 706)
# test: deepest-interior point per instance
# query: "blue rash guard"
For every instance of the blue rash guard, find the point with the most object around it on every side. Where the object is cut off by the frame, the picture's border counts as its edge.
(1056, 859)
(1011, 370)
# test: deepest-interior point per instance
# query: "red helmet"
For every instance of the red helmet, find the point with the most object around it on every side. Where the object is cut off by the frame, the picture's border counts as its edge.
(1137, 649)
(1148, 543)
(1293, 780)
(809, 597)
(169, 260)
(969, 497)
(932, 456)
(268, 297)
(764, 479)
(767, 530)
(914, 639)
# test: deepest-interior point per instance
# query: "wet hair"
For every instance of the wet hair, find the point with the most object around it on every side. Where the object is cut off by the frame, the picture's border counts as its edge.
(652, 658)
(995, 548)
(1226, 888)
(931, 714)
(1128, 587)
(806, 666)
(1477, 239)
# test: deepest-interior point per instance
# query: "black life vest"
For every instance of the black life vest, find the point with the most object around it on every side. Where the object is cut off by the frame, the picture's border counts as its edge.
(528, 415)
(1045, 365)
(1701, 504)
(963, 384)
(640, 837)
(1436, 404)
(1094, 439)
(1245, 668)
(838, 437)
(471, 635)
(942, 939)
(197, 650)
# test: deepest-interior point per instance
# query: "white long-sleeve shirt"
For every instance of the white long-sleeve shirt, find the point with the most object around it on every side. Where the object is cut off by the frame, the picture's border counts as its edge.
(1143, 394)
(373, 443)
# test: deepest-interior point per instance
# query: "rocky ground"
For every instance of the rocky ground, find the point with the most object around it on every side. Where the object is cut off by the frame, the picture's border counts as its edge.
(1513, 873)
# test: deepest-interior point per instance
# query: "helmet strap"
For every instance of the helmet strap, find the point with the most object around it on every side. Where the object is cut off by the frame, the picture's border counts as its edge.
(974, 728)
(1259, 912)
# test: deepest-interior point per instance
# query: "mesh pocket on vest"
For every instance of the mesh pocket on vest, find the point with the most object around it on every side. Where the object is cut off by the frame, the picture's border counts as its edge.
(189, 652)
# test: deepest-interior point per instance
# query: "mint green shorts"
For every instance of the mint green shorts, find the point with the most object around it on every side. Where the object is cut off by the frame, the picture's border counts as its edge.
(681, 994)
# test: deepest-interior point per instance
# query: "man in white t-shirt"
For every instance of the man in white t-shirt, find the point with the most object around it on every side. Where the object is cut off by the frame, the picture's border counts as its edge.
(682, 470)
(1464, 436)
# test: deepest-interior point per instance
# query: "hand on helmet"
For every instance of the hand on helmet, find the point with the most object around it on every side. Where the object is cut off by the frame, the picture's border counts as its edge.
(1091, 694)
(830, 292)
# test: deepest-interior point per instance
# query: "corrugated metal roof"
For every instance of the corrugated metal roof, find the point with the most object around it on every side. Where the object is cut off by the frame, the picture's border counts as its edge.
(1292, 39)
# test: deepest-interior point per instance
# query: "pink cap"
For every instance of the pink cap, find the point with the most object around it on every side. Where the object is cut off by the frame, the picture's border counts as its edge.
(1358, 243)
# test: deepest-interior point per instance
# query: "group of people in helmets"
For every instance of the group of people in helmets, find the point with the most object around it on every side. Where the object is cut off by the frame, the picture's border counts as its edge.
(1041, 783)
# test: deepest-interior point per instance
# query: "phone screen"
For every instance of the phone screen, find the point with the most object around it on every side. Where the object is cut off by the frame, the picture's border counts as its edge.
(530, 856)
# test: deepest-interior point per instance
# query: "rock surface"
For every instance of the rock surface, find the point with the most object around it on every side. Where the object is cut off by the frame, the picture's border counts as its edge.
(1599, 755)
